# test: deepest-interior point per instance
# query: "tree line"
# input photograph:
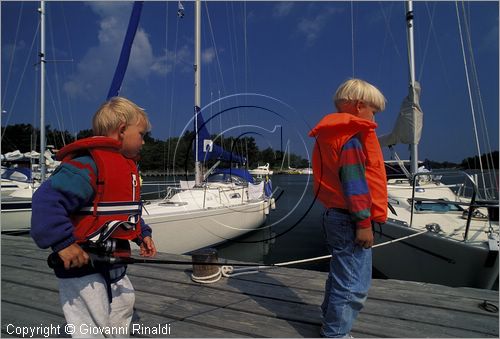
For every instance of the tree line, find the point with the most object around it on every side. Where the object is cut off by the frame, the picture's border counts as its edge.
(175, 153)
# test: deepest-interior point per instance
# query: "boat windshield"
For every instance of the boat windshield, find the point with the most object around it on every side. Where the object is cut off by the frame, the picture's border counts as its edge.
(226, 178)
(442, 207)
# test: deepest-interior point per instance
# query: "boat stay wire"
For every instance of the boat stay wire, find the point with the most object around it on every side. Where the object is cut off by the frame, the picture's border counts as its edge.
(480, 106)
(172, 116)
(14, 46)
(14, 99)
(473, 113)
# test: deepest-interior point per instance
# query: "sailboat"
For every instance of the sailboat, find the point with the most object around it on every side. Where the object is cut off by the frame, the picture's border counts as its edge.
(219, 205)
(16, 208)
(261, 171)
(455, 235)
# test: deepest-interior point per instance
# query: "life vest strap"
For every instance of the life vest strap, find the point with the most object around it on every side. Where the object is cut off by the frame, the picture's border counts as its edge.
(106, 230)
(110, 208)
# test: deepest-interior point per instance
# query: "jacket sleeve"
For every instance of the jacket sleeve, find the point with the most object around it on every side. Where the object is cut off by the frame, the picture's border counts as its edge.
(354, 184)
(146, 230)
(68, 189)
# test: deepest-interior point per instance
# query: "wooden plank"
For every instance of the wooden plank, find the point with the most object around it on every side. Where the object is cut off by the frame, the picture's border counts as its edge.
(168, 307)
(256, 325)
(280, 309)
(401, 285)
(194, 293)
(16, 316)
(40, 298)
(181, 329)
(377, 326)
(452, 319)
(22, 276)
(424, 298)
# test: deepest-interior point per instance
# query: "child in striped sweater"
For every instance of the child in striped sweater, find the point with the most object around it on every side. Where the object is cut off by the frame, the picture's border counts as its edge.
(350, 181)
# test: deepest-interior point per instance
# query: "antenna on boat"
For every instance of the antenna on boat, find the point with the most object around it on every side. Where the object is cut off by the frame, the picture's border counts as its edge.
(41, 10)
(411, 63)
(197, 87)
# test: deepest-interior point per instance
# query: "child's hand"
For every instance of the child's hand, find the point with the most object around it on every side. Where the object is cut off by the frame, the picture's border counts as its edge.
(73, 256)
(147, 247)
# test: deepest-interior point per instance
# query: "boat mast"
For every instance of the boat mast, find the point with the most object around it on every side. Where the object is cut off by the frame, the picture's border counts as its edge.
(42, 90)
(197, 87)
(411, 63)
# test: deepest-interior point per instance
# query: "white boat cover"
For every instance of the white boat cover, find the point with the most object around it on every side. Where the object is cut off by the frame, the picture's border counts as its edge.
(255, 192)
(14, 155)
(408, 126)
(187, 184)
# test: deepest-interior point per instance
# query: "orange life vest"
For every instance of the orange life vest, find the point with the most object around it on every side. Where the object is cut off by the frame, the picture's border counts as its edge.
(116, 209)
(331, 133)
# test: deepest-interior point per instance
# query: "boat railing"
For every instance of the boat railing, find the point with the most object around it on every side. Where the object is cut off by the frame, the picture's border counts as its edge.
(157, 189)
(171, 189)
(468, 189)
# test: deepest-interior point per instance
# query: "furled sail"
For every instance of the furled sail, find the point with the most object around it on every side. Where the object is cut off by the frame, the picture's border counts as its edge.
(408, 126)
(116, 84)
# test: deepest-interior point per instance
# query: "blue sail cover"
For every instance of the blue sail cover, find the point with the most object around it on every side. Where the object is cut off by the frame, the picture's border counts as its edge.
(217, 152)
(116, 84)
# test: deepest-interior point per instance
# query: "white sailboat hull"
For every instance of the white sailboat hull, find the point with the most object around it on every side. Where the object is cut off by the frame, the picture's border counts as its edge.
(15, 215)
(184, 231)
(441, 255)
(433, 258)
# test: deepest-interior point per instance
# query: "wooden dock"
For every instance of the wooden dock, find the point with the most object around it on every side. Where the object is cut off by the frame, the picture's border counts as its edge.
(275, 303)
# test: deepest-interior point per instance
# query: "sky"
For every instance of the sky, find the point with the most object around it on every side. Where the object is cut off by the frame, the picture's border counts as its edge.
(283, 61)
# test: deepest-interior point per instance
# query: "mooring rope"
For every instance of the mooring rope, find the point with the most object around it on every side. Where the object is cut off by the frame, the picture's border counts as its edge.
(230, 271)
(208, 279)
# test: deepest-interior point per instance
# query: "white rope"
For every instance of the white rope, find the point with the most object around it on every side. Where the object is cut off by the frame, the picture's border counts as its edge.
(230, 271)
(208, 279)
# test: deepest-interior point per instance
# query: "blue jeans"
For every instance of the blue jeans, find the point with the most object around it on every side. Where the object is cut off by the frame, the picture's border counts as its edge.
(349, 278)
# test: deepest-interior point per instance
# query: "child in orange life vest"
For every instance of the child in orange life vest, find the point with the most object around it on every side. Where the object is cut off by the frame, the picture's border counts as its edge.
(68, 211)
(350, 181)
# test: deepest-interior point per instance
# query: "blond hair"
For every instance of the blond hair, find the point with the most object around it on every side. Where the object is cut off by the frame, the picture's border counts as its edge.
(114, 112)
(359, 90)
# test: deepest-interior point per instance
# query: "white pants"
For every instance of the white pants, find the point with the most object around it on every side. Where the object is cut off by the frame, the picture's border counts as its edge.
(87, 309)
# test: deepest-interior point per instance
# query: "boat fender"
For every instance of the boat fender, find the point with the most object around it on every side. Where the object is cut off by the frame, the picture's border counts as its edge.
(273, 204)
(491, 259)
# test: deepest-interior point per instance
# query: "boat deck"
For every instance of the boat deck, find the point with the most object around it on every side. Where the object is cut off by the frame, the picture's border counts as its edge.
(275, 303)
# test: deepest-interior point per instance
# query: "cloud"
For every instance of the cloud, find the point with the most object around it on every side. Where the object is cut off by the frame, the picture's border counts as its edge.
(490, 39)
(164, 64)
(95, 70)
(10, 50)
(208, 55)
(311, 27)
(282, 9)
